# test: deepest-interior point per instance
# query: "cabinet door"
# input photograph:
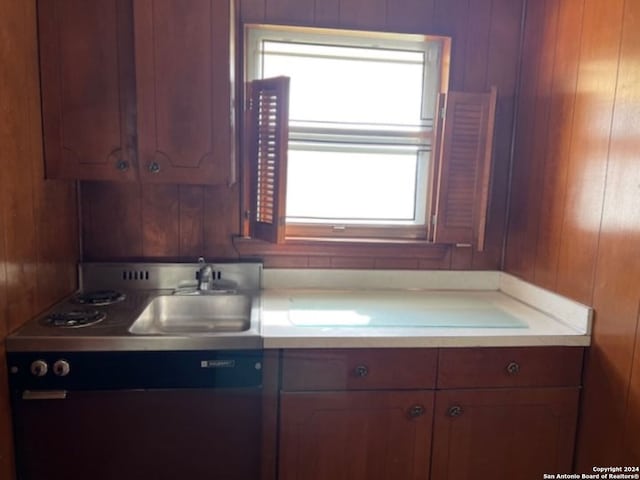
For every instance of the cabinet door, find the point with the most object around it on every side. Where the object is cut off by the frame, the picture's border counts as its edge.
(355, 435)
(512, 433)
(183, 88)
(86, 60)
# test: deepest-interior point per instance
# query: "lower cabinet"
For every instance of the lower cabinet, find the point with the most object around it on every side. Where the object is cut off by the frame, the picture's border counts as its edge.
(448, 414)
(355, 435)
(515, 434)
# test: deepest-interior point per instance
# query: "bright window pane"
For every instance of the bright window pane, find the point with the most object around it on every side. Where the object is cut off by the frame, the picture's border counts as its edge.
(348, 84)
(355, 186)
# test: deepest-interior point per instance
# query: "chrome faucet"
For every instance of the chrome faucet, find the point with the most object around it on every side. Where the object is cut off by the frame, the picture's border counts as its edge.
(205, 276)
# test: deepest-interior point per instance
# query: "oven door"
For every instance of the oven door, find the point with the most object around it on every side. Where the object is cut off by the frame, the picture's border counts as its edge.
(157, 434)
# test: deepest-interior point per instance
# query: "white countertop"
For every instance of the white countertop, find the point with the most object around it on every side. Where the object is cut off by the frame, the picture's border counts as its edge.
(358, 308)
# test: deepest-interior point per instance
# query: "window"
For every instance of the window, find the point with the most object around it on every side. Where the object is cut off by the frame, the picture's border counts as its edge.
(357, 136)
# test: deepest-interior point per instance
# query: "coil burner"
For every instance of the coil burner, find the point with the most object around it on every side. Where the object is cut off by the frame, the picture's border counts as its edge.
(74, 318)
(99, 297)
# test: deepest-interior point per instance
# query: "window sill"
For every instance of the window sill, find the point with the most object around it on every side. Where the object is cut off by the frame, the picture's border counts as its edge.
(344, 247)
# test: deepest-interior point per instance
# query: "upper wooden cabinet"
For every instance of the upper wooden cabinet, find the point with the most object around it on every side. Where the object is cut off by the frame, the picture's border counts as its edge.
(138, 89)
(183, 90)
(86, 61)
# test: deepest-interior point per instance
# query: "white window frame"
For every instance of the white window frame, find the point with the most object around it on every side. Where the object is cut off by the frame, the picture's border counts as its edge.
(435, 80)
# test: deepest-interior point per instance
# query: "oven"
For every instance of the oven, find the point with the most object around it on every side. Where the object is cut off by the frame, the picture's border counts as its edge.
(161, 415)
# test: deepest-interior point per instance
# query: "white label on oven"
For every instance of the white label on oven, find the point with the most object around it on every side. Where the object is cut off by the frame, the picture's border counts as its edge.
(217, 363)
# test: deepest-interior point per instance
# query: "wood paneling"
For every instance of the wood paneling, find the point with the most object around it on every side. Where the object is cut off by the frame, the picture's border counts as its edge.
(299, 12)
(590, 142)
(221, 221)
(485, 37)
(517, 254)
(558, 146)
(452, 19)
(502, 67)
(574, 225)
(111, 220)
(540, 117)
(363, 14)
(611, 384)
(412, 16)
(191, 218)
(38, 218)
(160, 220)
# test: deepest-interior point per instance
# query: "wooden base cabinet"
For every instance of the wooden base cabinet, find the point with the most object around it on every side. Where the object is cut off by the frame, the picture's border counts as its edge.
(356, 414)
(427, 414)
(363, 435)
(515, 434)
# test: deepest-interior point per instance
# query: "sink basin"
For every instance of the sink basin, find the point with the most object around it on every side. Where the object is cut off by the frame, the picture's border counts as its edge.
(195, 314)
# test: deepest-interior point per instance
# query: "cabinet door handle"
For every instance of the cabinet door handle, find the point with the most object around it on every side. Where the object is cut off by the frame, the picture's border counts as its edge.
(119, 163)
(455, 411)
(122, 165)
(154, 167)
(361, 371)
(513, 368)
(416, 411)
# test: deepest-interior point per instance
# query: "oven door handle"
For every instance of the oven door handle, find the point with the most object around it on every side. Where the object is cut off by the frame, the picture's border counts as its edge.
(44, 395)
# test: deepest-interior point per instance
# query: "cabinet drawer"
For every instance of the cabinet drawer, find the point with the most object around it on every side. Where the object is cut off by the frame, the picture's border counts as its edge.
(510, 367)
(358, 369)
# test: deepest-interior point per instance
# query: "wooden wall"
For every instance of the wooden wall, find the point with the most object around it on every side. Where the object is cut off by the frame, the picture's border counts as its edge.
(121, 221)
(38, 219)
(574, 225)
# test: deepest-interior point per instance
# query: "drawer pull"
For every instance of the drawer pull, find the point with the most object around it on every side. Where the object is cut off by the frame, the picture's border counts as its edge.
(361, 371)
(416, 411)
(513, 368)
(455, 411)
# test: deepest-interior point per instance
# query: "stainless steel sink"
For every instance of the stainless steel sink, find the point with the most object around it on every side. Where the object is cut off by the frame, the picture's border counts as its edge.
(199, 314)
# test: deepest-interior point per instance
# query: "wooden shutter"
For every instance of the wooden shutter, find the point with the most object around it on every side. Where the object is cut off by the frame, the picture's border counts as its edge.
(269, 116)
(465, 168)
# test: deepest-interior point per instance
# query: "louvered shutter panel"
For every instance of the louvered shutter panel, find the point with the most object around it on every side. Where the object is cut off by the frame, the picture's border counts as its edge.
(465, 168)
(269, 112)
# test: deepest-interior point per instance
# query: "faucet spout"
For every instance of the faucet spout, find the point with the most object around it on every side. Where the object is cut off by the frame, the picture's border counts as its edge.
(205, 276)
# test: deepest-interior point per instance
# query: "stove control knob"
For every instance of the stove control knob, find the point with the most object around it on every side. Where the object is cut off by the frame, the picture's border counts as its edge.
(61, 368)
(39, 368)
